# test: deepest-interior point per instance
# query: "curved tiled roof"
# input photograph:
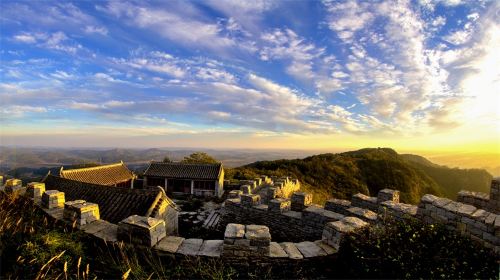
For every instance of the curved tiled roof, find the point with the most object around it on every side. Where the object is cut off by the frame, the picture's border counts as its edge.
(106, 175)
(115, 204)
(179, 170)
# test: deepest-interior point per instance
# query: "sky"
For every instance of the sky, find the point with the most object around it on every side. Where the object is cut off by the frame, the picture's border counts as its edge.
(411, 75)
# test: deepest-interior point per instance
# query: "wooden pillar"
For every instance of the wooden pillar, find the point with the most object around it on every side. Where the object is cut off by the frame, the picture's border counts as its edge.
(192, 186)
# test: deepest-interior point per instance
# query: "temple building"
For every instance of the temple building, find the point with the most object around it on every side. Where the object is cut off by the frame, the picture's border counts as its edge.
(116, 175)
(116, 204)
(199, 179)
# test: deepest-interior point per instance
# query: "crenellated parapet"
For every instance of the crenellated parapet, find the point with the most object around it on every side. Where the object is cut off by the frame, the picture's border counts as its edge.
(489, 202)
(317, 230)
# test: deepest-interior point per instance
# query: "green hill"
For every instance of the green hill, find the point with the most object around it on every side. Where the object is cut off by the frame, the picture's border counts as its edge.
(369, 170)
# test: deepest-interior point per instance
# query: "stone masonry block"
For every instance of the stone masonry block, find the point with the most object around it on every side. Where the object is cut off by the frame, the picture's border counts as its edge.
(81, 212)
(35, 190)
(13, 185)
(279, 205)
(337, 205)
(388, 195)
(272, 193)
(246, 189)
(141, 230)
(249, 200)
(300, 201)
(53, 199)
(495, 190)
(235, 194)
(234, 231)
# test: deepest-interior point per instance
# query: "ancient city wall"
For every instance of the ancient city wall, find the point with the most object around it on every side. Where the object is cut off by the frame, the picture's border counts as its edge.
(241, 243)
(317, 231)
(298, 219)
(489, 202)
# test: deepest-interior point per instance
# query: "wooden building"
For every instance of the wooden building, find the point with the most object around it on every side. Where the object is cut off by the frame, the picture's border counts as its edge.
(197, 179)
(116, 175)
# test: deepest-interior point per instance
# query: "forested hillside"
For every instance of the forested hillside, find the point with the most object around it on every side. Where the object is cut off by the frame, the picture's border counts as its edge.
(368, 171)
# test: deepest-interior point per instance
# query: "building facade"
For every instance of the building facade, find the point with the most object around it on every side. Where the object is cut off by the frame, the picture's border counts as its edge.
(177, 178)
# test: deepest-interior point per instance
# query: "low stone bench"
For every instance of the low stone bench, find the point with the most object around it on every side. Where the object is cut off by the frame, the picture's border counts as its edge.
(141, 230)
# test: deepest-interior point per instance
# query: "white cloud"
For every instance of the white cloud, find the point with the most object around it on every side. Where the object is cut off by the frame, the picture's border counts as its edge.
(25, 38)
(347, 17)
(178, 26)
(91, 29)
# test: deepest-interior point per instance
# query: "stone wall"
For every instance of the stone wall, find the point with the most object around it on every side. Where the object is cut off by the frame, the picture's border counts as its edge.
(250, 240)
(489, 202)
(294, 219)
(478, 224)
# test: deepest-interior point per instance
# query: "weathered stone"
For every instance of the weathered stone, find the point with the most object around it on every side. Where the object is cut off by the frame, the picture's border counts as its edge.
(257, 232)
(441, 202)
(246, 189)
(53, 199)
(300, 201)
(327, 248)
(234, 231)
(169, 244)
(310, 249)
(235, 194)
(337, 205)
(81, 212)
(211, 248)
(364, 214)
(95, 226)
(141, 230)
(465, 209)
(35, 190)
(388, 195)
(190, 247)
(355, 222)
(108, 234)
(291, 250)
(249, 200)
(276, 251)
(428, 198)
(279, 205)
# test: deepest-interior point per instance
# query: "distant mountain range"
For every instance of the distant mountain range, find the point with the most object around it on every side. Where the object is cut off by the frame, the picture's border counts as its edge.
(326, 175)
(370, 170)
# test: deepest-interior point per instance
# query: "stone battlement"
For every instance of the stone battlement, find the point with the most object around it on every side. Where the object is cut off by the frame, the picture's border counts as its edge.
(249, 239)
(241, 242)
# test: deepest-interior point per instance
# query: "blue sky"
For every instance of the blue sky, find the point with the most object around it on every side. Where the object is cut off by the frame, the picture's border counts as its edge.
(294, 74)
